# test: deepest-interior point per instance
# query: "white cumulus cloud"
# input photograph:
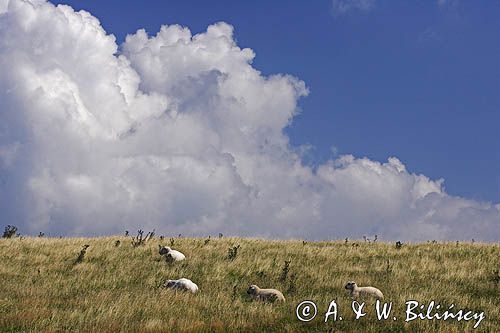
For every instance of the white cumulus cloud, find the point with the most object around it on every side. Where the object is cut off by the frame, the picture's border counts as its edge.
(180, 133)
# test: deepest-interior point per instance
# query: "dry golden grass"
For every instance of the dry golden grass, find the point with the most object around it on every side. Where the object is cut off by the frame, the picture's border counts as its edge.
(116, 289)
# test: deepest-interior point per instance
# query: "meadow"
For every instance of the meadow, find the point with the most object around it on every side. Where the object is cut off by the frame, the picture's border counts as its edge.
(117, 287)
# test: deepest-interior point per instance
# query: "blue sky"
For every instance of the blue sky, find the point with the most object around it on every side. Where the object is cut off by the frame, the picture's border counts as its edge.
(414, 79)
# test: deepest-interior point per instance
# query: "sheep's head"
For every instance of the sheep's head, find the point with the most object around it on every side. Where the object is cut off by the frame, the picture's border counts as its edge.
(169, 283)
(252, 290)
(163, 250)
(350, 285)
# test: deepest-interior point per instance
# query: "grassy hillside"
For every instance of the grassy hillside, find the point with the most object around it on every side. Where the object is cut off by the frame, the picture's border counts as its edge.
(116, 288)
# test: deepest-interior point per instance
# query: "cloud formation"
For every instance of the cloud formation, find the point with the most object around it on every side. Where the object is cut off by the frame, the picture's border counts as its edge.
(180, 133)
(340, 7)
(444, 3)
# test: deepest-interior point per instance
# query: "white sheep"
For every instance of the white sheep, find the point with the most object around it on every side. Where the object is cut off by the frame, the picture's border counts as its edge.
(356, 291)
(181, 284)
(265, 295)
(171, 255)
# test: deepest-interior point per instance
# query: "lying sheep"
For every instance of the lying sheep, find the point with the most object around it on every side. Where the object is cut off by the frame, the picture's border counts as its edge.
(171, 255)
(181, 284)
(265, 295)
(356, 291)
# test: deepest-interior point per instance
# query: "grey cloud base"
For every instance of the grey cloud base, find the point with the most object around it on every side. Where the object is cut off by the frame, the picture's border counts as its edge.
(180, 133)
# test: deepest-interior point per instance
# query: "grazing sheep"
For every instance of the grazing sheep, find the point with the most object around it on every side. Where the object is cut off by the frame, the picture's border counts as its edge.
(171, 255)
(265, 295)
(363, 291)
(181, 284)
